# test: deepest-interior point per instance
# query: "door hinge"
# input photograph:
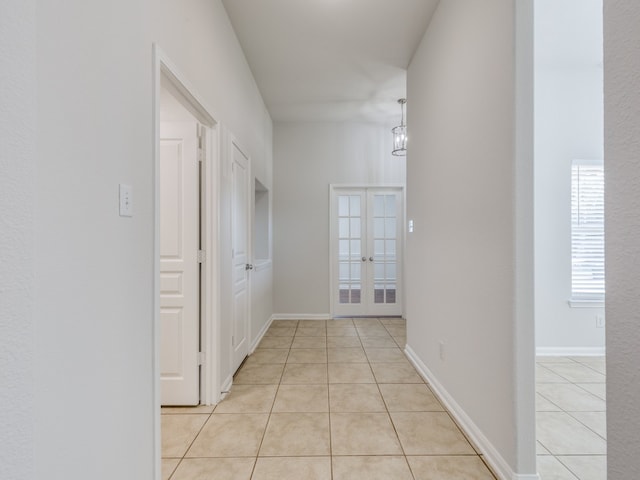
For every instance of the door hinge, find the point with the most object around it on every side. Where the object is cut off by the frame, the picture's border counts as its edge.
(200, 143)
(201, 358)
(201, 256)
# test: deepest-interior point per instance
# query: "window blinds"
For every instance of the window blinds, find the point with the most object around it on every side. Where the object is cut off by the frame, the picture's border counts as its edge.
(587, 231)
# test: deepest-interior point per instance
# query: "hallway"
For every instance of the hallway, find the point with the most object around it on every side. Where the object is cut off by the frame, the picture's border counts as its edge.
(325, 400)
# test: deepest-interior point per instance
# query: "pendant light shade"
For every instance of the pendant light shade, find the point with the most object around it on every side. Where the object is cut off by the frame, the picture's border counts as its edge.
(400, 134)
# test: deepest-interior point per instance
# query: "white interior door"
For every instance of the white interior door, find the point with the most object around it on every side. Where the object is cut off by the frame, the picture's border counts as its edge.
(240, 256)
(179, 267)
(366, 251)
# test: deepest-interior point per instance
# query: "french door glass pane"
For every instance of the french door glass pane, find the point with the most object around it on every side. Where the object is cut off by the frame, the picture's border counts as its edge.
(343, 206)
(390, 249)
(355, 227)
(350, 248)
(344, 249)
(368, 247)
(354, 204)
(390, 206)
(384, 245)
(378, 247)
(343, 227)
(355, 249)
(390, 227)
(344, 272)
(378, 227)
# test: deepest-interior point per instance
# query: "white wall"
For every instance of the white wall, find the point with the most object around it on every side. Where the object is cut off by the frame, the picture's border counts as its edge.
(622, 228)
(77, 279)
(308, 157)
(469, 261)
(568, 126)
(17, 237)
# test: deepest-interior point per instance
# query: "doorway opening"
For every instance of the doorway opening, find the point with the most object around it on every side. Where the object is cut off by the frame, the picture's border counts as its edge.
(366, 242)
(186, 326)
(569, 240)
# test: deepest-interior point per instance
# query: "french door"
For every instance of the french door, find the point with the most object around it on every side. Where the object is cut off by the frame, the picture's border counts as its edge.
(366, 251)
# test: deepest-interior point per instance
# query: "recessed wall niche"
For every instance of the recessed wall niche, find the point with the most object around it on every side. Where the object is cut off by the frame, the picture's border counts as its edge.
(261, 223)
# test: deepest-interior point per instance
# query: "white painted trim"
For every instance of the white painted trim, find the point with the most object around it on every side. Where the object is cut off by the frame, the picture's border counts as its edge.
(233, 142)
(347, 186)
(579, 303)
(498, 464)
(301, 316)
(570, 351)
(163, 67)
(263, 331)
(210, 333)
(226, 386)
(155, 327)
(261, 265)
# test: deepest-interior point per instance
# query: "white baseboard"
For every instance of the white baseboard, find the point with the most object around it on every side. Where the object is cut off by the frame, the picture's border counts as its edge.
(226, 386)
(261, 334)
(498, 464)
(301, 316)
(570, 351)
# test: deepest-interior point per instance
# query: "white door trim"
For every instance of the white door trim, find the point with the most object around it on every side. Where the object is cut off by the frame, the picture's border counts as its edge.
(233, 143)
(164, 68)
(333, 188)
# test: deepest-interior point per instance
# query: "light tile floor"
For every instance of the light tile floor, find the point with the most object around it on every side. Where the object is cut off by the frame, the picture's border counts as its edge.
(322, 400)
(571, 418)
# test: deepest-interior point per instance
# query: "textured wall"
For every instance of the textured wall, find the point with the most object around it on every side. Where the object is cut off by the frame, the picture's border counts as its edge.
(469, 261)
(76, 283)
(622, 170)
(17, 198)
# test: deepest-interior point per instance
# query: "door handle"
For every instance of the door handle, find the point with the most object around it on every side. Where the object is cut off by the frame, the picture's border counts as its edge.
(248, 266)
(364, 259)
(371, 259)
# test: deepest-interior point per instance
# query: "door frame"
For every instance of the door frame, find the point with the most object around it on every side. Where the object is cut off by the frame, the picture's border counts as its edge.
(166, 71)
(333, 189)
(234, 143)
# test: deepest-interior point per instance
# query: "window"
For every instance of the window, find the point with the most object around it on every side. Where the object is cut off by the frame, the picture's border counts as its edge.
(587, 231)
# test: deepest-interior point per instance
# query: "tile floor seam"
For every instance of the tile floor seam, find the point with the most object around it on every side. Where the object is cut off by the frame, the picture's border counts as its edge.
(549, 400)
(376, 345)
(395, 430)
(584, 424)
(184, 455)
(569, 413)
(329, 414)
(566, 466)
(264, 433)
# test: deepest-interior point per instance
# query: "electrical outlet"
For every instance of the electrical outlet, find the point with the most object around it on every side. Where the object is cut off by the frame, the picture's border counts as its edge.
(441, 343)
(599, 321)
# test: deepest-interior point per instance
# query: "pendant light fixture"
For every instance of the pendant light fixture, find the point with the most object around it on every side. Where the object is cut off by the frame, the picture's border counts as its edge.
(400, 134)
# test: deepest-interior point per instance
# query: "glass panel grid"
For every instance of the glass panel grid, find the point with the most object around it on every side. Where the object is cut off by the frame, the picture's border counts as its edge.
(384, 244)
(350, 248)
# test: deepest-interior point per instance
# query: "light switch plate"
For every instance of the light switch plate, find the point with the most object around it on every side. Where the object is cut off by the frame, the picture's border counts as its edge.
(126, 200)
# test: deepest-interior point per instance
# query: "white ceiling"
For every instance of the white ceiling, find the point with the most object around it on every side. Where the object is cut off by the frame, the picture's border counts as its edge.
(330, 60)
